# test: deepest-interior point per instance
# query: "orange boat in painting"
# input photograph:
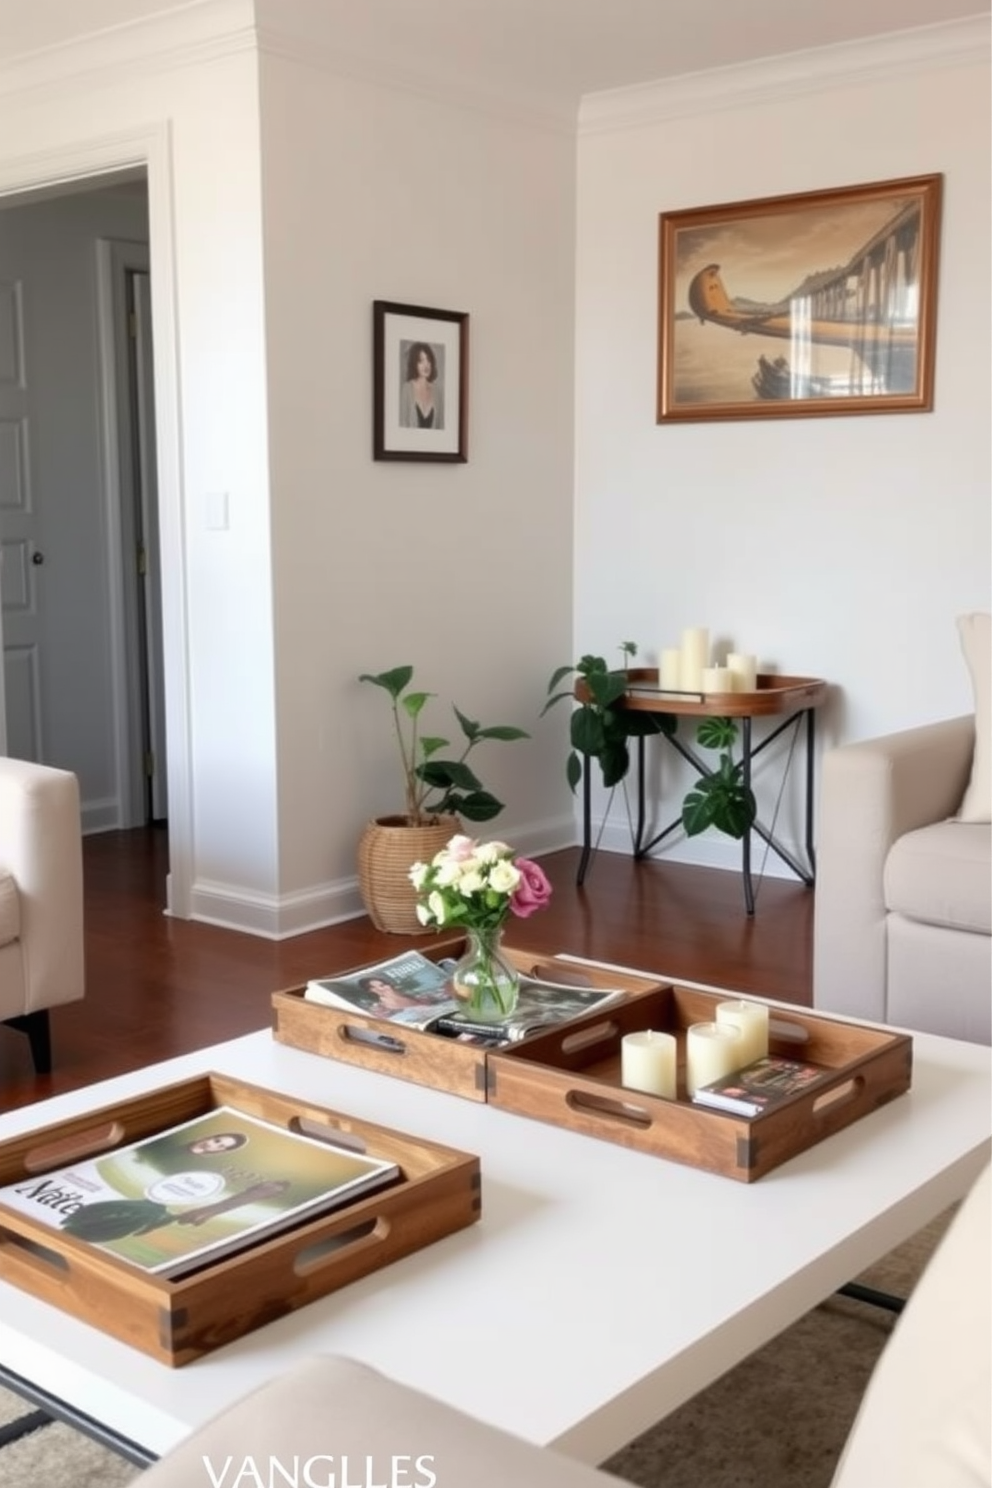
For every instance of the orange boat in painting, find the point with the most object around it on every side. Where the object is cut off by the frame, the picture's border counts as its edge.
(789, 321)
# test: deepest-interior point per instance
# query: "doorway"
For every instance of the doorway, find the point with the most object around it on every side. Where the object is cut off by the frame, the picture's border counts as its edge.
(81, 573)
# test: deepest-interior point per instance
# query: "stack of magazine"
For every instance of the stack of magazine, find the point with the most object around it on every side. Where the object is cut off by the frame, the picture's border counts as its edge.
(181, 1199)
(415, 992)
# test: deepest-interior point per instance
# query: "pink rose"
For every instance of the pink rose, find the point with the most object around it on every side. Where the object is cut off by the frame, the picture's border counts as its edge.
(533, 891)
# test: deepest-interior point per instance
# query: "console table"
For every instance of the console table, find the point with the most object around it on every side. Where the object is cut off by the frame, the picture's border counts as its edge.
(796, 697)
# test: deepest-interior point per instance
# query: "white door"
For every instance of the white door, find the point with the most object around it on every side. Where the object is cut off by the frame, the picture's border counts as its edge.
(22, 554)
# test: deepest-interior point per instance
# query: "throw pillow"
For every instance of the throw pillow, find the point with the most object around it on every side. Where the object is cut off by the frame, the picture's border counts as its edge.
(976, 641)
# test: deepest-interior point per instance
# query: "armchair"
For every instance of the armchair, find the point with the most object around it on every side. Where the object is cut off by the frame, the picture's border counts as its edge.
(903, 919)
(41, 899)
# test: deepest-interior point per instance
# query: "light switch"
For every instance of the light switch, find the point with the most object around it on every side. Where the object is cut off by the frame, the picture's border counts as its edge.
(216, 506)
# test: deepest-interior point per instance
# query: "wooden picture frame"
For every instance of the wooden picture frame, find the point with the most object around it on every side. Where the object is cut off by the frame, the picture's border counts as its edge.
(823, 302)
(420, 383)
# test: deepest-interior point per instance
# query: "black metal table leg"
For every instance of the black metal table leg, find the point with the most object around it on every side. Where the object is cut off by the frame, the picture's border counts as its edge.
(586, 823)
(746, 839)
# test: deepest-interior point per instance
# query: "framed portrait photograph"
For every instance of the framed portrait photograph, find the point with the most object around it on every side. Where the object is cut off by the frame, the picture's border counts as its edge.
(818, 303)
(420, 383)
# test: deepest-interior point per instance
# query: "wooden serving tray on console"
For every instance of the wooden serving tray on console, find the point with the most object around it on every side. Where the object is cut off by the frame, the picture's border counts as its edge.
(773, 694)
(571, 1078)
(408, 1054)
(178, 1320)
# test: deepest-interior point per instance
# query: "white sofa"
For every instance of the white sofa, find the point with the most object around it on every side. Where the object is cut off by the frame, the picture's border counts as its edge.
(903, 916)
(925, 1421)
(41, 899)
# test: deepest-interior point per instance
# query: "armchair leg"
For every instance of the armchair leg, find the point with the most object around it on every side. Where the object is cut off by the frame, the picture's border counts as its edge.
(38, 1028)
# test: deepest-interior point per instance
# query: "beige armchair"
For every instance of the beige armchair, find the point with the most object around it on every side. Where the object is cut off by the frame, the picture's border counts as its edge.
(903, 919)
(41, 899)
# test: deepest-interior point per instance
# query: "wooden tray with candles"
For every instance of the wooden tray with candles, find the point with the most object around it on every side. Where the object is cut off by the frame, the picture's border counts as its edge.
(427, 1058)
(572, 1077)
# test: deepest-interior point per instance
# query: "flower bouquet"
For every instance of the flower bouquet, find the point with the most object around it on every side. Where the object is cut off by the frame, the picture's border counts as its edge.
(475, 886)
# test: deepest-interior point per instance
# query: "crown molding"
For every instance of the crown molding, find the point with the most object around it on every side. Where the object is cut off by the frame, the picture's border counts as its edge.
(351, 66)
(901, 53)
(196, 33)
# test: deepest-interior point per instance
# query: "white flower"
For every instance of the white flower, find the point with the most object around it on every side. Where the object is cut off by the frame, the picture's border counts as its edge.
(491, 852)
(436, 905)
(504, 877)
(447, 873)
(423, 914)
(418, 873)
(471, 882)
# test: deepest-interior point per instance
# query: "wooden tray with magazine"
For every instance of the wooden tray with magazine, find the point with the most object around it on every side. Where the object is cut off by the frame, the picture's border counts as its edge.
(425, 1058)
(436, 1191)
(570, 1077)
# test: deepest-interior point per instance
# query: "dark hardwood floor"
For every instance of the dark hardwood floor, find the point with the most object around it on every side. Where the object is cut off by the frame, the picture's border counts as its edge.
(158, 987)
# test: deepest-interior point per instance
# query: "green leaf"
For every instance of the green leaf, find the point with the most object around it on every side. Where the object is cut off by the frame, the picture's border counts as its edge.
(443, 774)
(478, 806)
(614, 761)
(716, 733)
(697, 811)
(573, 769)
(557, 676)
(505, 731)
(606, 688)
(393, 681)
(414, 702)
(586, 730)
(469, 727)
(430, 745)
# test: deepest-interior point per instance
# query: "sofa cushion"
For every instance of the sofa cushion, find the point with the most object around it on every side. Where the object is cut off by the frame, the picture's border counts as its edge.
(976, 642)
(942, 875)
(10, 910)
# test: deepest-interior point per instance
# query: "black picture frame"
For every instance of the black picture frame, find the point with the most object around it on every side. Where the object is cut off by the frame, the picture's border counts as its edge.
(425, 418)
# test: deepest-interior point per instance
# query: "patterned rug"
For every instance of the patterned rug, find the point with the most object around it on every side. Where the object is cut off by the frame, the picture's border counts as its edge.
(778, 1420)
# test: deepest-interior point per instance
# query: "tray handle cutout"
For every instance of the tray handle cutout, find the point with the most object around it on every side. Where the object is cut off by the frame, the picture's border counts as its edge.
(323, 1131)
(611, 1110)
(328, 1250)
(583, 1037)
(562, 976)
(62, 1150)
(371, 1036)
(840, 1095)
(34, 1250)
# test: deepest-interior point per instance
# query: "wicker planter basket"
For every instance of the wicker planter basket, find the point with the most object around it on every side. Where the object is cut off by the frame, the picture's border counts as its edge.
(387, 851)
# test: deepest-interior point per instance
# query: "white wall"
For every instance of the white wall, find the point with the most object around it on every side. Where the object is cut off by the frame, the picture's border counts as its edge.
(463, 570)
(192, 117)
(838, 547)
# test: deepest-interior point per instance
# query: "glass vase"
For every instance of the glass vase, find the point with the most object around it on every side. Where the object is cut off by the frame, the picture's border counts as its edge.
(484, 982)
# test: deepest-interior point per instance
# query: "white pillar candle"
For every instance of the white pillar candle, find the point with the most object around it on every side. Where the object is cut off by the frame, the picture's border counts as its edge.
(745, 671)
(669, 669)
(717, 679)
(647, 1062)
(751, 1020)
(712, 1050)
(695, 654)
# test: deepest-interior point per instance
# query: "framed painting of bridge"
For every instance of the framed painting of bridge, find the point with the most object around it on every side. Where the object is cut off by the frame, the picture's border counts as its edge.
(817, 303)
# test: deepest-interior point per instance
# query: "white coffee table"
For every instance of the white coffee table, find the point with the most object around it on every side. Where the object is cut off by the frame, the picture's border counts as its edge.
(601, 1287)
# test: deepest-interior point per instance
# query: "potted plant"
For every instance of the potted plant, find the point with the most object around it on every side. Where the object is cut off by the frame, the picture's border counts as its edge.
(438, 792)
(601, 730)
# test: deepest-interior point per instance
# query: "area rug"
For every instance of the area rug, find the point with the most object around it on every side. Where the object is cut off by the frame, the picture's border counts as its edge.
(778, 1420)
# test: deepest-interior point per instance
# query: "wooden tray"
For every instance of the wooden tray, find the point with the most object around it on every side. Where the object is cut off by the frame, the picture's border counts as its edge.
(179, 1320)
(571, 1077)
(406, 1053)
